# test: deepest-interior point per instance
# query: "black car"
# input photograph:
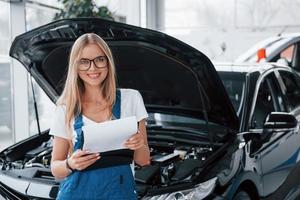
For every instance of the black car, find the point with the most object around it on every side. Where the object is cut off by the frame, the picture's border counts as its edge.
(200, 147)
(264, 97)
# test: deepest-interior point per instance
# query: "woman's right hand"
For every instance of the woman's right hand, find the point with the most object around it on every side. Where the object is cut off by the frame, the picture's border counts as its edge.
(81, 159)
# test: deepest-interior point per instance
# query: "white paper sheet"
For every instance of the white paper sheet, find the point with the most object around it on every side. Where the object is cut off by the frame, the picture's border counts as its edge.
(110, 135)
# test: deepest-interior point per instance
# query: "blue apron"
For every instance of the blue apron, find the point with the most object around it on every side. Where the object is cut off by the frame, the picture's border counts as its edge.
(109, 183)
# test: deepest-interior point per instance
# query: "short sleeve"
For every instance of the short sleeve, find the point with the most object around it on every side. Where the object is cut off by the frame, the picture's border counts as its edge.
(140, 110)
(58, 127)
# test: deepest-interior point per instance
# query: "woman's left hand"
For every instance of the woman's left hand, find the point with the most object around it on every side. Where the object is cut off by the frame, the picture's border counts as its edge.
(135, 142)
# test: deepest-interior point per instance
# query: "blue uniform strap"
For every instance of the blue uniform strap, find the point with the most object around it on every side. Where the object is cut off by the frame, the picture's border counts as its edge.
(117, 106)
(79, 135)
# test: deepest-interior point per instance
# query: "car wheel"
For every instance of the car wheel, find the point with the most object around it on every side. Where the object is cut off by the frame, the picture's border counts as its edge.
(242, 195)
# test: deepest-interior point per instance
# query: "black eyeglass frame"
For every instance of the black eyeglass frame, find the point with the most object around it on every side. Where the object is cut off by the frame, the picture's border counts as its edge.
(90, 61)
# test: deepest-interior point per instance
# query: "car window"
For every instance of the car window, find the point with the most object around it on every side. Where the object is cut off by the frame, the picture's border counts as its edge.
(287, 54)
(277, 93)
(187, 123)
(267, 101)
(291, 89)
(234, 83)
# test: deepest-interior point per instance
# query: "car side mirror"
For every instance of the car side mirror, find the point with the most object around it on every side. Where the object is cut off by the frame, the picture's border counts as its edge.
(280, 120)
(247, 136)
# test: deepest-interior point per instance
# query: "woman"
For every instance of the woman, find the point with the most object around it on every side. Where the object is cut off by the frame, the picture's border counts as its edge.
(89, 95)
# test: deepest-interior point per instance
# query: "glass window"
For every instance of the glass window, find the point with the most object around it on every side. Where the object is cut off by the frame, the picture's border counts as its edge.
(195, 125)
(4, 30)
(277, 94)
(37, 15)
(234, 83)
(45, 109)
(265, 103)
(292, 89)
(287, 54)
(6, 130)
(54, 3)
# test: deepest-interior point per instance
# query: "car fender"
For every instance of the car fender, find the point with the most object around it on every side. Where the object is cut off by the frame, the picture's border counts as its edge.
(238, 176)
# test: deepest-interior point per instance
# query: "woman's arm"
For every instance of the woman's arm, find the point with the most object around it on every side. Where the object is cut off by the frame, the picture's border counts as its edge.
(139, 143)
(59, 155)
(78, 161)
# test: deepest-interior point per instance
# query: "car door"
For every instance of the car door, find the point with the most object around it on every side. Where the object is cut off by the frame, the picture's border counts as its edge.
(275, 149)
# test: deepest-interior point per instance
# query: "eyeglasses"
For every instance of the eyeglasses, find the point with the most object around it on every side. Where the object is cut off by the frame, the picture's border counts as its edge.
(100, 62)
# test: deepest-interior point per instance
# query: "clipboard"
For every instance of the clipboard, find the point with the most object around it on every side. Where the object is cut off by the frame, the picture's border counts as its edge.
(108, 139)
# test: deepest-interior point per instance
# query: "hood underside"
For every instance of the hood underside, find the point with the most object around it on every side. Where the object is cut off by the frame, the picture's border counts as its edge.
(172, 77)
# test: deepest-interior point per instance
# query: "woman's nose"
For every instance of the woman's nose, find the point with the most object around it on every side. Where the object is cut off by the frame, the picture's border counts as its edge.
(93, 67)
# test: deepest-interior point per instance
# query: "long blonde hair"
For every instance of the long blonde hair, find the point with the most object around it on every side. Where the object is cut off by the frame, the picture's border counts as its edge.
(74, 87)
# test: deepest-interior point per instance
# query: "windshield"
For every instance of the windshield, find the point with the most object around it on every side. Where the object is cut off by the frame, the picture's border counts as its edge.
(184, 123)
(234, 83)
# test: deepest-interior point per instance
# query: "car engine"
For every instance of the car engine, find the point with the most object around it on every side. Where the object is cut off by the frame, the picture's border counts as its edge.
(172, 163)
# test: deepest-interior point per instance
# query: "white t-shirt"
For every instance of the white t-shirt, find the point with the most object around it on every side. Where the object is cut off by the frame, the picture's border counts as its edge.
(132, 104)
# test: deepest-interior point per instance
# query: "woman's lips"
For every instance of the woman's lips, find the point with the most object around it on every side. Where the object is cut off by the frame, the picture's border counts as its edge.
(93, 76)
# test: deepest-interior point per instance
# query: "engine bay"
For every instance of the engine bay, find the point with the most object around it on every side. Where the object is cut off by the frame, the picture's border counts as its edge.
(172, 163)
(171, 167)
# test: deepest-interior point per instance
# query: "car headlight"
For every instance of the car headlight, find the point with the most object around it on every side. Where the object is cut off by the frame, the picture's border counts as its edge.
(200, 191)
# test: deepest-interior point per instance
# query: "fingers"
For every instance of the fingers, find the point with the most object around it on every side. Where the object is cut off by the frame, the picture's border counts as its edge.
(82, 159)
(135, 138)
(135, 142)
(86, 158)
(80, 153)
(134, 146)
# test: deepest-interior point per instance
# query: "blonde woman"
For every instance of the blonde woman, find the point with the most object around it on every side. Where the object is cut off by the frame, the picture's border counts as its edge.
(90, 96)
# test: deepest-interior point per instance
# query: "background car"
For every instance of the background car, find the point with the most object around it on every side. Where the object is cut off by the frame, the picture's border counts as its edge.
(200, 138)
(284, 48)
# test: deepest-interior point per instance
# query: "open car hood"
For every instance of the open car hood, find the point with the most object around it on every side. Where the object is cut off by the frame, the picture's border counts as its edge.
(172, 76)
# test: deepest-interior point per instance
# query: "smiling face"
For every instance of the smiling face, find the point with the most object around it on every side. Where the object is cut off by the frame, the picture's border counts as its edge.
(92, 65)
